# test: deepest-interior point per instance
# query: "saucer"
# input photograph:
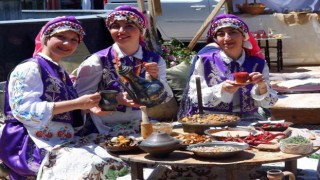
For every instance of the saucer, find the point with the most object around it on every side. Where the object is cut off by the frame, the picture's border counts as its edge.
(241, 84)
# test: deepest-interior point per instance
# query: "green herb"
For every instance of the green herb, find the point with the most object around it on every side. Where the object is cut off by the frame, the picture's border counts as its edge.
(296, 140)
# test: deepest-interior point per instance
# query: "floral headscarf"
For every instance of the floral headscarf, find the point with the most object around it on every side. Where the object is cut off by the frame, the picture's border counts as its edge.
(229, 20)
(57, 25)
(129, 14)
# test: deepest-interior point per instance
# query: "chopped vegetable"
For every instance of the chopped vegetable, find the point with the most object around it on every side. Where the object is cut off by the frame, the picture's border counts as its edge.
(296, 140)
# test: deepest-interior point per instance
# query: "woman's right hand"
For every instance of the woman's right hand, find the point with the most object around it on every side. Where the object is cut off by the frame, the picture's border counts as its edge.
(122, 99)
(230, 87)
(89, 101)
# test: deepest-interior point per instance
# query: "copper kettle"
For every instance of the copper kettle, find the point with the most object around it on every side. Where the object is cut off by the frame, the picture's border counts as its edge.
(145, 92)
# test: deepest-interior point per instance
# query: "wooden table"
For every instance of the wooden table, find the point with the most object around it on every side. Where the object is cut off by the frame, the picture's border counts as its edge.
(245, 160)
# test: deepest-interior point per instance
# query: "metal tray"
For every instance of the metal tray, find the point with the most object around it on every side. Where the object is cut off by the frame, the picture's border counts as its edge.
(247, 131)
(241, 147)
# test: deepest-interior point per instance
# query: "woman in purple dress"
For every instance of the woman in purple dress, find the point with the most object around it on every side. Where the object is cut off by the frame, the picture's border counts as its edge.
(42, 112)
(216, 67)
(127, 26)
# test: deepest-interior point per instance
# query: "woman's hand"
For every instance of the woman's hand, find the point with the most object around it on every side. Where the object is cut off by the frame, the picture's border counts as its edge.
(122, 99)
(230, 87)
(152, 68)
(99, 112)
(257, 78)
(88, 101)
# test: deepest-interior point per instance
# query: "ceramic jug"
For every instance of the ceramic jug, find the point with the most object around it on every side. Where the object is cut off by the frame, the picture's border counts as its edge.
(145, 92)
(276, 174)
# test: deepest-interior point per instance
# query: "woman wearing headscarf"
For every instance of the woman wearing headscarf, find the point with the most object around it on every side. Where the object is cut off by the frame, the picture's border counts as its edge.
(42, 112)
(126, 26)
(220, 93)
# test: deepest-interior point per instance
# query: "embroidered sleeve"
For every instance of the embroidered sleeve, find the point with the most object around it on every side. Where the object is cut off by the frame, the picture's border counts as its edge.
(89, 76)
(25, 90)
(211, 96)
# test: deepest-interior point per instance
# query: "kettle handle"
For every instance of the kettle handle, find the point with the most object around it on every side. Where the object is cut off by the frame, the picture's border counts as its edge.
(130, 93)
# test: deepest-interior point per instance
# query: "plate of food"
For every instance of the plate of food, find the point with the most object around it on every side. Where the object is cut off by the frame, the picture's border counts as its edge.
(272, 126)
(236, 132)
(217, 149)
(121, 144)
(192, 138)
(198, 123)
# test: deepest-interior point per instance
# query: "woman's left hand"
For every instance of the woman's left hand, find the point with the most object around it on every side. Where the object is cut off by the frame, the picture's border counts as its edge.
(257, 78)
(99, 112)
(152, 68)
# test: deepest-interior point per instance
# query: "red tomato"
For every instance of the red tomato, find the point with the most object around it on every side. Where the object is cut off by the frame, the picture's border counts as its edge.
(265, 125)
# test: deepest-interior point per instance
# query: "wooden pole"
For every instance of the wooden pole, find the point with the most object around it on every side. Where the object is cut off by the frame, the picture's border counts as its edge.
(205, 24)
(229, 6)
(147, 35)
(151, 36)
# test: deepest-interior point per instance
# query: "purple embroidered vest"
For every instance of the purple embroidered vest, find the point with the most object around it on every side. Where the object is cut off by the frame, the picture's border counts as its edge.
(217, 71)
(109, 72)
(18, 150)
(54, 89)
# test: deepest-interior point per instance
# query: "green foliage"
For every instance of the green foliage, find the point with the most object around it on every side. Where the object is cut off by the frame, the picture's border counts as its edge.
(114, 174)
(175, 52)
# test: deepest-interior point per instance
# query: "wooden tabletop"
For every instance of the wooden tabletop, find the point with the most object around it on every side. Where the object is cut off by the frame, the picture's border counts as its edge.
(244, 160)
(178, 157)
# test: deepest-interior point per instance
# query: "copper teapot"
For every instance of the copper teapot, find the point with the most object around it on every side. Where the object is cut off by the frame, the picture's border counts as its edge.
(145, 92)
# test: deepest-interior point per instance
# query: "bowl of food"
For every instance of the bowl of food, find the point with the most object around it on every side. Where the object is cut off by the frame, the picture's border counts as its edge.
(120, 144)
(192, 138)
(217, 149)
(198, 123)
(273, 126)
(296, 145)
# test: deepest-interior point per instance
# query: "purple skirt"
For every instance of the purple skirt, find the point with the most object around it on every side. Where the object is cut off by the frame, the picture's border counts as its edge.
(18, 151)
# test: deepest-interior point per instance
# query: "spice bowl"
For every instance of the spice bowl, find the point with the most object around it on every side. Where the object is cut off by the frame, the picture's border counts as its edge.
(296, 145)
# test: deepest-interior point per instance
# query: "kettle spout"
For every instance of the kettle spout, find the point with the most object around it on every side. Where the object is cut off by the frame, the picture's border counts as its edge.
(130, 93)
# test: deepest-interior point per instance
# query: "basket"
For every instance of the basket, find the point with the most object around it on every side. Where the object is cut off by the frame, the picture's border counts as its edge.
(253, 9)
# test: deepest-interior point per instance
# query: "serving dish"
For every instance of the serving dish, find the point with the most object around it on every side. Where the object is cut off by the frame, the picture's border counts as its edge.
(122, 149)
(270, 126)
(192, 138)
(296, 145)
(198, 123)
(239, 132)
(121, 144)
(217, 149)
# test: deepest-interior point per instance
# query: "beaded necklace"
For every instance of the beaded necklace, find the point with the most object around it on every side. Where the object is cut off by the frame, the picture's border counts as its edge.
(137, 68)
